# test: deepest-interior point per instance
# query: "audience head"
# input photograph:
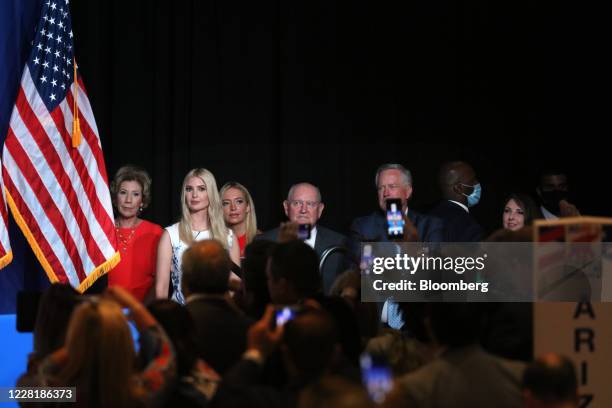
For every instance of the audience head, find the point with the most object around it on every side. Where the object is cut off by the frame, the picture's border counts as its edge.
(552, 188)
(458, 182)
(393, 181)
(238, 208)
(310, 344)
(256, 293)
(178, 325)
(199, 193)
(206, 268)
(303, 204)
(519, 211)
(455, 324)
(292, 272)
(347, 286)
(347, 326)
(100, 353)
(54, 311)
(130, 191)
(334, 392)
(550, 382)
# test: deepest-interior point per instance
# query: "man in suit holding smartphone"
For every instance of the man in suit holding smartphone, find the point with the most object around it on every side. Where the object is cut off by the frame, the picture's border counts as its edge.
(304, 206)
(393, 182)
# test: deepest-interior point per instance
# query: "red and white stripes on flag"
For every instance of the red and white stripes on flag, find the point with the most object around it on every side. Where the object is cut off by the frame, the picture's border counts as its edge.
(58, 194)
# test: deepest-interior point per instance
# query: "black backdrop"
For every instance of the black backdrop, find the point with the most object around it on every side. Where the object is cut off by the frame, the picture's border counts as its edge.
(269, 93)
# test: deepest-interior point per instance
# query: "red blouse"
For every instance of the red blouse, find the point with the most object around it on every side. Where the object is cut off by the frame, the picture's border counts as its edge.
(242, 243)
(138, 247)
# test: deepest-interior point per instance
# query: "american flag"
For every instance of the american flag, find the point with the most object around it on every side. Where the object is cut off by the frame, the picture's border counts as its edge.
(55, 180)
(6, 255)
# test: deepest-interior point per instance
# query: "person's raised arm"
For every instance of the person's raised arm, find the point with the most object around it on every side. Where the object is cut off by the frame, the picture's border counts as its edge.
(137, 312)
(164, 261)
(160, 371)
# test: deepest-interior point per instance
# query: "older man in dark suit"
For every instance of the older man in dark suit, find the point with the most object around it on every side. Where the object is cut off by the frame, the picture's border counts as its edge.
(305, 206)
(392, 181)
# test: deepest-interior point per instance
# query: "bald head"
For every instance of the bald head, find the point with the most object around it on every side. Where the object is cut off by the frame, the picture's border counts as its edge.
(551, 381)
(206, 268)
(310, 341)
(304, 186)
(456, 179)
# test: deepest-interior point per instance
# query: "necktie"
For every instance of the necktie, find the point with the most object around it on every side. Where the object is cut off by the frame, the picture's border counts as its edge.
(394, 316)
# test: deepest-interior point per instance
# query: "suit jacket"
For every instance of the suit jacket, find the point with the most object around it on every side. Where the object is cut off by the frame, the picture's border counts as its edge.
(373, 228)
(459, 225)
(220, 331)
(464, 377)
(326, 238)
(244, 386)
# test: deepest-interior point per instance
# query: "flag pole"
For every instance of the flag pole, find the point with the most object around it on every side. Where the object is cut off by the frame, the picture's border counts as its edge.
(76, 126)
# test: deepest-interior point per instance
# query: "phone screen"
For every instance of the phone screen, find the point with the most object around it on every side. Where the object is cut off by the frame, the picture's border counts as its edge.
(304, 231)
(283, 315)
(376, 376)
(395, 220)
(366, 259)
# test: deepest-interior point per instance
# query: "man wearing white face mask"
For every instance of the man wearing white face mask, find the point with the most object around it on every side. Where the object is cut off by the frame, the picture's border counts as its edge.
(460, 190)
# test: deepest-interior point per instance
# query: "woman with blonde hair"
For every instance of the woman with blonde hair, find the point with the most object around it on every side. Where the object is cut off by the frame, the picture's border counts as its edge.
(137, 238)
(99, 359)
(201, 218)
(239, 213)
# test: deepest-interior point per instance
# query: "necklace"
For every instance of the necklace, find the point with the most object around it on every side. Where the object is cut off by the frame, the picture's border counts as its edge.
(195, 238)
(124, 239)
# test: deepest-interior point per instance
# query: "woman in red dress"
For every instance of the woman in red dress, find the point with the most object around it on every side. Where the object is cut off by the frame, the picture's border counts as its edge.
(137, 238)
(239, 213)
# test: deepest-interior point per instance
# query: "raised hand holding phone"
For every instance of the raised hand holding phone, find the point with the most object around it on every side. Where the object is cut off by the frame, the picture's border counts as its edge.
(395, 219)
(261, 336)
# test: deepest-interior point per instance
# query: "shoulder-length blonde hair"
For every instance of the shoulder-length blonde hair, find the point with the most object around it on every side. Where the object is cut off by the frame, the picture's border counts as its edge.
(251, 218)
(101, 356)
(217, 227)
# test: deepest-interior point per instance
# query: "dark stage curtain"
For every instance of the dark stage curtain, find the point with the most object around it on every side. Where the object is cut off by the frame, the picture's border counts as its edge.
(270, 93)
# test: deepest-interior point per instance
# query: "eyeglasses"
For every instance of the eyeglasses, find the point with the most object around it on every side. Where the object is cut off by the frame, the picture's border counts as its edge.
(299, 203)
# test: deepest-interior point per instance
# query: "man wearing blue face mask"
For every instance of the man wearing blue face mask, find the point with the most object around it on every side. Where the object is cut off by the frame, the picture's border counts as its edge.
(460, 191)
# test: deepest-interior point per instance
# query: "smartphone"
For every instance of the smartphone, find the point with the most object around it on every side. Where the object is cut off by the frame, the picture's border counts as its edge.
(283, 314)
(376, 376)
(304, 231)
(366, 259)
(395, 219)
